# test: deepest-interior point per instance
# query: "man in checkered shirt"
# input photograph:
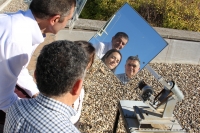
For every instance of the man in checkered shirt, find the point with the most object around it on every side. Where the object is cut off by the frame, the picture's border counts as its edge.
(59, 74)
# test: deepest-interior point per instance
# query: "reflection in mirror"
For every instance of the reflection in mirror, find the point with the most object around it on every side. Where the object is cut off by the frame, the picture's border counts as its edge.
(132, 67)
(112, 59)
(139, 40)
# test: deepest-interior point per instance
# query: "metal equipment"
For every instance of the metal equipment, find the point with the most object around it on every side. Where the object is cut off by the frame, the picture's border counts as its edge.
(153, 113)
(79, 7)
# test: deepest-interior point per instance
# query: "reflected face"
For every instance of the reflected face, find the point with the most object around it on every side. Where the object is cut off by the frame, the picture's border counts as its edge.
(118, 42)
(131, 68)
(113, 60)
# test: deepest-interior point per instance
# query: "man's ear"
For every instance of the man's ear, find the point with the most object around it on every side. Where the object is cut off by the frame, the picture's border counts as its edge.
(77, 87)
(53, 20)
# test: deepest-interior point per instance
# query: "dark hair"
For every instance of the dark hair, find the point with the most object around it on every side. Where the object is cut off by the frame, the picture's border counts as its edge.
(108, 53)
(133, 58)
(44, 9)
(59, 65)
(89, 49)
(121, 34)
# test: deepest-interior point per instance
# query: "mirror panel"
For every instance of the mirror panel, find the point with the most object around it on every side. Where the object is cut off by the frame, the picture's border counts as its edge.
(144, 41)
(79, 7)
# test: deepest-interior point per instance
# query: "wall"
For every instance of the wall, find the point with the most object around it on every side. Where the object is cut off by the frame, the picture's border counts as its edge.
(183, 46)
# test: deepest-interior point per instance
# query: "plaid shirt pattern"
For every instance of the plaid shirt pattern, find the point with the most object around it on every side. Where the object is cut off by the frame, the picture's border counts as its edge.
(39, 115)
(123, 78)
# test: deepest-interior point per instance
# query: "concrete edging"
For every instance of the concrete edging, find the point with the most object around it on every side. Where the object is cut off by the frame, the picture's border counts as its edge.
(95, 25)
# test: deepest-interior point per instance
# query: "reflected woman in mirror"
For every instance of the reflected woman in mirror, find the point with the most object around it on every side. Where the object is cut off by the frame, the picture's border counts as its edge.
(90, 50)
(112, 59)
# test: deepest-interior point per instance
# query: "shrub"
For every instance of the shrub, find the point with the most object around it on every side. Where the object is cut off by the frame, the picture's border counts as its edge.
(176, 14)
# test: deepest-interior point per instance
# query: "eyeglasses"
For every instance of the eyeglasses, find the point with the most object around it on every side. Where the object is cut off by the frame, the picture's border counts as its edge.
(132, 65)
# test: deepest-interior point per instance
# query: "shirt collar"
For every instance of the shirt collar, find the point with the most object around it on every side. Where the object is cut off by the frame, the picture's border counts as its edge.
(127, 77)
(37, 36)
(55, 105)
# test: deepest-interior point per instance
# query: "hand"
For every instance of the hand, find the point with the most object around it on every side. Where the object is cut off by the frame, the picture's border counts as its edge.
(34, 96)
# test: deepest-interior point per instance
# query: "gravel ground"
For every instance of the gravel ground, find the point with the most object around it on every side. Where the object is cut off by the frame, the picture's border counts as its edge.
(2, 1)
(14, 6)
(104, 90)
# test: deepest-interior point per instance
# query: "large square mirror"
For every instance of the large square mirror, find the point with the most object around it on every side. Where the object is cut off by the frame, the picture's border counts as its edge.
(129, 33)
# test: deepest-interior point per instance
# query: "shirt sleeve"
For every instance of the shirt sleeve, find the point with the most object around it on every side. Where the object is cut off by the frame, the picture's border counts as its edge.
(78, 107)
(81, 100)
(99, 49)
(25, 81)
(16, 46)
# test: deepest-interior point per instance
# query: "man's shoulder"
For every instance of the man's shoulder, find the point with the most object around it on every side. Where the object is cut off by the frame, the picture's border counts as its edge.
(31, 113)
(21, 106)
(5, 22)
(14, 16)
(11, 21)
(105, 43)
(102, 44)
(121, 74)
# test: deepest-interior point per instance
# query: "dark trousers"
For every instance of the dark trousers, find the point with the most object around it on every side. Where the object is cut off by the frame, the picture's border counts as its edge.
(22, 94)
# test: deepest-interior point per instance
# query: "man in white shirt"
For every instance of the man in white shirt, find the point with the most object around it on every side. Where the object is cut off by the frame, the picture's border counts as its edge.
(132, 66)
(118, 42)
(21, 33)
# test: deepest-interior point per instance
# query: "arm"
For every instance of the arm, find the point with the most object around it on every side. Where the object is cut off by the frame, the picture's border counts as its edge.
(8, 67)
(16, 46)
(25, 81)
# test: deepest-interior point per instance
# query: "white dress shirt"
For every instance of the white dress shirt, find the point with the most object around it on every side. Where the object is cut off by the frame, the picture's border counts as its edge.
(78, 106)
(101, 48)
(19, 37)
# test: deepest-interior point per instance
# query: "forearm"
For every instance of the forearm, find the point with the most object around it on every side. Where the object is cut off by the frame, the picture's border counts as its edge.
(25, 81)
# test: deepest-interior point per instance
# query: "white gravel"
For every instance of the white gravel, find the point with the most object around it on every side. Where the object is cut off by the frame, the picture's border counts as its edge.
(14, 6)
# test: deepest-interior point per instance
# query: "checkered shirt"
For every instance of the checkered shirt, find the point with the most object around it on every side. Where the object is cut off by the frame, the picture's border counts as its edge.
(39, 115)
(123, 78)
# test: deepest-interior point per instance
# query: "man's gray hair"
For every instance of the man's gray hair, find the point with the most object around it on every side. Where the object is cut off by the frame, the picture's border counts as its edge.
(59, 65)
(133, 58)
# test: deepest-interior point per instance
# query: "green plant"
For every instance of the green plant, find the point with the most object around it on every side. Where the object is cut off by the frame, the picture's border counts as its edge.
(176, 14)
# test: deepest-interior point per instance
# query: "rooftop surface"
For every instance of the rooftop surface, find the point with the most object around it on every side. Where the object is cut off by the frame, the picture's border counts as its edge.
(104, 90)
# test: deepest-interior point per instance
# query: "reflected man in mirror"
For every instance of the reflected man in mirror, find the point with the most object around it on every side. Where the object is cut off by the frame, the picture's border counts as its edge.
(132, 66)
(118, 42)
